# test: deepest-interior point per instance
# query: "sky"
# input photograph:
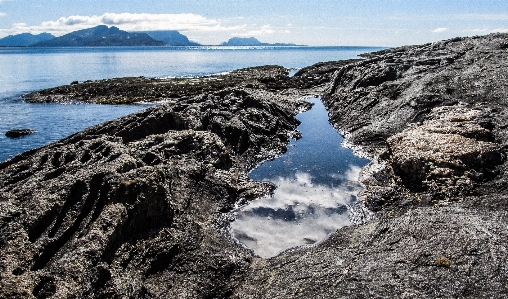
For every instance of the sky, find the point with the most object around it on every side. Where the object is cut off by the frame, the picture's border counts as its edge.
(307, 22)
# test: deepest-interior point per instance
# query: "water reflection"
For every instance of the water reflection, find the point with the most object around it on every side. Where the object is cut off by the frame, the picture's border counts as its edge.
(317, 182)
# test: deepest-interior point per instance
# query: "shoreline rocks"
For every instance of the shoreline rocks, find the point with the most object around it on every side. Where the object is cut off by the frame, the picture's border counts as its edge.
(138, 207)
(140, 89)
(135, 206)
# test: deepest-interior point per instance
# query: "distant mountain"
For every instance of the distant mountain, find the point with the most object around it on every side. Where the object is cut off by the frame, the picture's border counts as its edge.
(250, 41)
(100, 36)
(24, 39)
(171, 38)
(242, 41)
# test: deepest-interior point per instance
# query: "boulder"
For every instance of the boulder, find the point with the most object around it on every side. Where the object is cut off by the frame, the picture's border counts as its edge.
(19, 133)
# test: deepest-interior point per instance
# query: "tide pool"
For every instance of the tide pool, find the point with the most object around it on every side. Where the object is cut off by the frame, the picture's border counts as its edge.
(317, 184)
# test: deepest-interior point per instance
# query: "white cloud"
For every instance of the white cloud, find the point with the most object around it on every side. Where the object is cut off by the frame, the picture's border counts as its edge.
(269, 237)
(129, 22)
(477, 30)
(313, 206)
(353, 173)
(448, 17)
(500, 30)
(440, 30)
(302, 192)
(264, 30)
(2, 14)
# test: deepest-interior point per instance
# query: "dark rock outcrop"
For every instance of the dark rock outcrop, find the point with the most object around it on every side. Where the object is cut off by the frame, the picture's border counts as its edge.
(137, 207)
(433, 120)
(433, 114)
(19, 133)
(141, 89)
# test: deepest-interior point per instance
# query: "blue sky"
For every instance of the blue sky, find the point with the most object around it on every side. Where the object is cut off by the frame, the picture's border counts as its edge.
(320, 23)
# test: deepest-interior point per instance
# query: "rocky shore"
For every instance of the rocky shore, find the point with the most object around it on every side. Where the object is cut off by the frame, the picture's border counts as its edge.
(138, 207)
(141, 89)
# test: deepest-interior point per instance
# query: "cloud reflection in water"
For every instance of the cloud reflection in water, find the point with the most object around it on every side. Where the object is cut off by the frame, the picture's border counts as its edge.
(316, 179)
(299, 212)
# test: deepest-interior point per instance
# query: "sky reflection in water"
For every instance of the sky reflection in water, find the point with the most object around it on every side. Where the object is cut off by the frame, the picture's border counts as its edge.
(316, 180)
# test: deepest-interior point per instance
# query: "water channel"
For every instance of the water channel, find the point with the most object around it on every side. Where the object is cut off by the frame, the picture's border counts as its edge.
(317, 182)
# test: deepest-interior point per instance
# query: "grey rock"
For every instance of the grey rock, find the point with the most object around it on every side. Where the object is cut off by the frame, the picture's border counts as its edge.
(134, 207)
(433, 119)
(138, 207)
(140, 89)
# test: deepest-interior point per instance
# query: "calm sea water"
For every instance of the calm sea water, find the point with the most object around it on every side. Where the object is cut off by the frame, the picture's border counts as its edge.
(23, 70)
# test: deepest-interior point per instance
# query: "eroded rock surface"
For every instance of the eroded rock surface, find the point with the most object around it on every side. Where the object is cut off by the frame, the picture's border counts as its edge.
(433, 120)
(137, 207)
(134, 207)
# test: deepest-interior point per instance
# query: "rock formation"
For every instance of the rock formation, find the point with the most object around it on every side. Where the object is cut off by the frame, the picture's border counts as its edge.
(171, 38)
(252, 41)
(141, 89)
(135, 206)
(138, 207)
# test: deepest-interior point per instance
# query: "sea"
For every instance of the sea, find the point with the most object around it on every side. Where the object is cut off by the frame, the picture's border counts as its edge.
(24, 70)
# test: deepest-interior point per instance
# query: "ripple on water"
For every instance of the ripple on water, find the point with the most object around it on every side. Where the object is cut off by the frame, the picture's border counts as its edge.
(317, 182)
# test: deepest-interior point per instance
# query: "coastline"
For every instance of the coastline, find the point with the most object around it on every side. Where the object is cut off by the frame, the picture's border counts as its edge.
(135, 207)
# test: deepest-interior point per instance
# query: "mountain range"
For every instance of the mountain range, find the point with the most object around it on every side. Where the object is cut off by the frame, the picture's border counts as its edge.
(171, 38)
(100, 36)
(24, 39)
(103, 35)
(250, 41)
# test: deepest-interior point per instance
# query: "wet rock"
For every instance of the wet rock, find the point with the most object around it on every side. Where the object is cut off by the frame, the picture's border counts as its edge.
(19, 133)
